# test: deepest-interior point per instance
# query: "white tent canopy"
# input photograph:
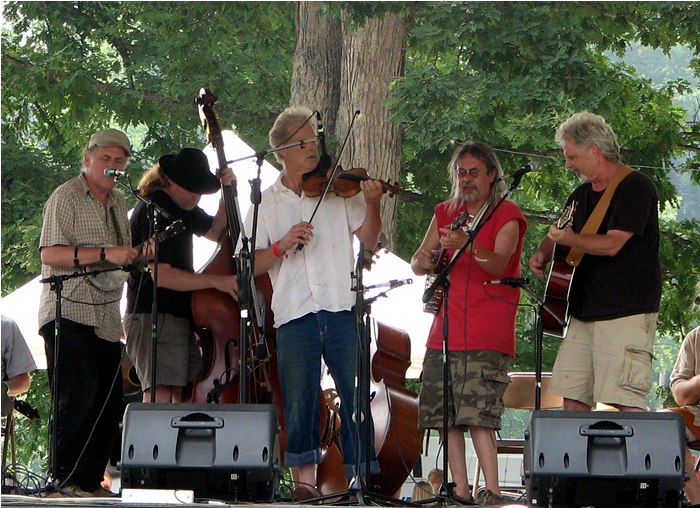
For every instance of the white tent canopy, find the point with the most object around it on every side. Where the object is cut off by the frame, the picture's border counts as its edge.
(402, 308)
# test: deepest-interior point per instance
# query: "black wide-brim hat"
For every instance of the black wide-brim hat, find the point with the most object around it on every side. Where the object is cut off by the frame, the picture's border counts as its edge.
(190, 170)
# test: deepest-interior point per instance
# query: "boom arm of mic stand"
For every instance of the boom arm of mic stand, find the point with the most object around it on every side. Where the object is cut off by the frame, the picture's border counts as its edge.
(137, 194)
(369, 301)
(541, 303)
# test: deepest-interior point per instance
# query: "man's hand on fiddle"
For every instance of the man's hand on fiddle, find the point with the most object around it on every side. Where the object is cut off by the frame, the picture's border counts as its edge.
(372, 191)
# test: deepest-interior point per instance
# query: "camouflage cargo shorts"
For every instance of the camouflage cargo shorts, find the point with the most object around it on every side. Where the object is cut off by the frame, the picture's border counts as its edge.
(476, 383)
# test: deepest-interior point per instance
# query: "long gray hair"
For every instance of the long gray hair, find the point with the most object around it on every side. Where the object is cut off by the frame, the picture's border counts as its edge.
(485, 154)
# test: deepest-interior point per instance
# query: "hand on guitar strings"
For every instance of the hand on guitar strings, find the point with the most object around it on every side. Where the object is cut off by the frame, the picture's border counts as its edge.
(453, 238)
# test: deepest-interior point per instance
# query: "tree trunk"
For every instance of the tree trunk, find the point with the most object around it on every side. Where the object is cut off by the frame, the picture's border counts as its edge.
(339, 70)
(372, 57)
(317, 58)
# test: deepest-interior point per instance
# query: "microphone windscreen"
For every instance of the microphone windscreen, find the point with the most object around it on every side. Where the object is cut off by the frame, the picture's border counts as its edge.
(325, 161)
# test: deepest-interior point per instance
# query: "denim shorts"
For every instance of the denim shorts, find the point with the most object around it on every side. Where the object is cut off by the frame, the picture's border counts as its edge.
(301, 344)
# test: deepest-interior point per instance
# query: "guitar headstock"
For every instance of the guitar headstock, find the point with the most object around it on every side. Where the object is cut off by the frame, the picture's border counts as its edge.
(567, 217)
(460, 221)
(175, 228)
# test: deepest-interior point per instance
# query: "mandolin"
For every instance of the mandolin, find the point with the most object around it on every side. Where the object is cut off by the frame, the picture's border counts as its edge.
(561, 273)
(441, 260)
(114, 278)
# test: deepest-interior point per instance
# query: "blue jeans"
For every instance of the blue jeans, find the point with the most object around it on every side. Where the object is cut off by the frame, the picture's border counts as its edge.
(300, 345)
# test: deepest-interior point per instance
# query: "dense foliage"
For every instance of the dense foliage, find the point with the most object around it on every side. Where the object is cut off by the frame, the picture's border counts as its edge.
(502, 72)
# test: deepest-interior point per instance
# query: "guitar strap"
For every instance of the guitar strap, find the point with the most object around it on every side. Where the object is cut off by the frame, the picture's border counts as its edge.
(117, 230)
(596, 218)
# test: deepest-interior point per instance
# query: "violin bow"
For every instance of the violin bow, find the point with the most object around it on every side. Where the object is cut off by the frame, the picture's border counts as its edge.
(335, 168)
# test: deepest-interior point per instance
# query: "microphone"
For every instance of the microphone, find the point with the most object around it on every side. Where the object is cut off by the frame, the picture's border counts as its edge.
(325, 160)
(261, 351)
(25, 408)
(391, 284)
(530, 166)
(510, 281)
(114, 172)
(131, 267)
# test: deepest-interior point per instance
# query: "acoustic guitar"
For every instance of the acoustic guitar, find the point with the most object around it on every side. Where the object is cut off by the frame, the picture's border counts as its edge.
(561, 273)
(441, 261)
(114, 279)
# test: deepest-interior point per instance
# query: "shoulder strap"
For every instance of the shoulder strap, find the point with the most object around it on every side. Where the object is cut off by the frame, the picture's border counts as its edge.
(596, 218)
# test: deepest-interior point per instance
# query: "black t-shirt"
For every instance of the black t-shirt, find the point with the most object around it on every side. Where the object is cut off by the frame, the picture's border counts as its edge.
(175, 251)
(628, 283)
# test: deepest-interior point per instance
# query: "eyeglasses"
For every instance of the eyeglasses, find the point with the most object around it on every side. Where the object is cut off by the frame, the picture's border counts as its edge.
(461, 172)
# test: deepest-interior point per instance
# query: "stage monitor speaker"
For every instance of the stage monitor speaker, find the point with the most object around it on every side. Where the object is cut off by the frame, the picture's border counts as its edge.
(604, 459)
(220, 451)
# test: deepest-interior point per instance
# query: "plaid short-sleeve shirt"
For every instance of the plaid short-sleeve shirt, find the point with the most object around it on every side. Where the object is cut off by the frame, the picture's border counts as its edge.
(73, 216)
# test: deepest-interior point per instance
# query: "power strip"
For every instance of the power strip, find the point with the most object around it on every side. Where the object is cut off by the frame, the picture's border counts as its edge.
(157, 496)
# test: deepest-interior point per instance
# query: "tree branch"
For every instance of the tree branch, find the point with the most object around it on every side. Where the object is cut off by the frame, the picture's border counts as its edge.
(636, 21)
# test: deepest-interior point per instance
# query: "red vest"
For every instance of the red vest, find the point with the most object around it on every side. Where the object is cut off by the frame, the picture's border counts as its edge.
(480, 317)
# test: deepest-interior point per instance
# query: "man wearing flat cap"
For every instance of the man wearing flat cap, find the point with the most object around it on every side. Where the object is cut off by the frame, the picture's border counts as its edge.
(175, 184)
(84, 223)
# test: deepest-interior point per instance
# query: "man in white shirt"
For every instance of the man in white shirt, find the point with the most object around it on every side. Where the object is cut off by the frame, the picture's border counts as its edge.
(312, 299)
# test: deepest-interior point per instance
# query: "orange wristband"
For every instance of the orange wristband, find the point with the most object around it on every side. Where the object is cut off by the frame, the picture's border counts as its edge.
(275, 250)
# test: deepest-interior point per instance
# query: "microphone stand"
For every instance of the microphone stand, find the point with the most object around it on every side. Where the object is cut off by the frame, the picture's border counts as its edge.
(539, 333)
(247, 292)
(362, 415)
(442, 281)
(152, 212)
(56, 282)
(153, 218)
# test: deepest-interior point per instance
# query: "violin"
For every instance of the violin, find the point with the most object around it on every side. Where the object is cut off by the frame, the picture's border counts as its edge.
(345, 184)
(342, 183)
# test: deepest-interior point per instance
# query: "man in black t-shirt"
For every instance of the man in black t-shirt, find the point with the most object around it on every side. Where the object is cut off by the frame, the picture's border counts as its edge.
(615, 292)
(175, 185)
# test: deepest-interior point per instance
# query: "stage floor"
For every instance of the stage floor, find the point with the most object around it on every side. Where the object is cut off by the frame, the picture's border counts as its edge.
(28, 501)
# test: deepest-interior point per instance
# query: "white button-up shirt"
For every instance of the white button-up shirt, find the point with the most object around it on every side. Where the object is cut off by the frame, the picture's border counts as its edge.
(317, 277)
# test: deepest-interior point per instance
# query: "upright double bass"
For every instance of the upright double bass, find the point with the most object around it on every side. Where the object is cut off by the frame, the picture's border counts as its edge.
(231, 346)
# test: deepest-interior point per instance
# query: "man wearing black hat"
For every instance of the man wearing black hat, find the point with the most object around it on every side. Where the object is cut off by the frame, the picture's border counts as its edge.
(81, 219)
(175, 184)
